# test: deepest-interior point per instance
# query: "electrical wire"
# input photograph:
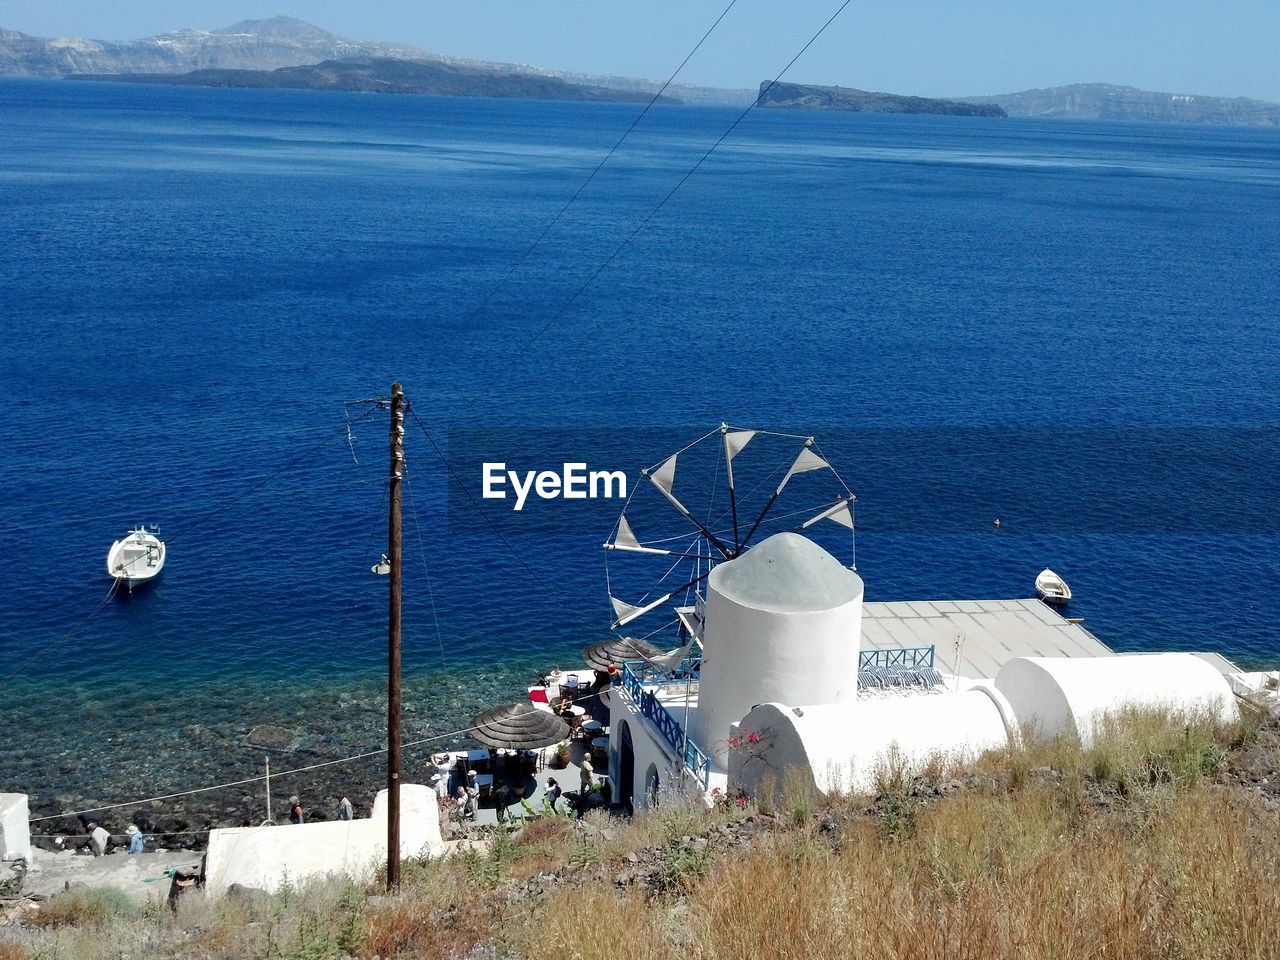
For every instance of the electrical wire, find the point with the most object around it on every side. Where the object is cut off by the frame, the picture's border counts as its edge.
(599, 166)
(539, 331)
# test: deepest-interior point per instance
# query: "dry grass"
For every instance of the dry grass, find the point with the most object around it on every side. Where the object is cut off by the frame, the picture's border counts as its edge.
(1126, 850)
(84, 908)
(989, 876)
(13, 951)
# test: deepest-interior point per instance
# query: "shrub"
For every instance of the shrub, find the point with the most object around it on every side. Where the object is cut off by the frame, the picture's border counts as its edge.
(82, 908)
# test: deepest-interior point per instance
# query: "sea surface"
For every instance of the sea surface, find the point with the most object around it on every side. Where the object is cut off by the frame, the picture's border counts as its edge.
(1069, 326)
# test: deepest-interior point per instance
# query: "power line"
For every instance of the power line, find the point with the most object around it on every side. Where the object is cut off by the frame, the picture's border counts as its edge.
(681, 182)
(274, 775)
(422, 552)
(612, 150)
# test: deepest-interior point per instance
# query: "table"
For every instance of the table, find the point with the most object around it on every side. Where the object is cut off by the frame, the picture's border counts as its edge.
(484, 781)
(577, 711)
(591, 727)
(480, 755)
(600, 750)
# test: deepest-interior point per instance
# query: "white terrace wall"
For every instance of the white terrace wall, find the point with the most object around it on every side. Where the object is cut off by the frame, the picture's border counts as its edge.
(649, 750)
(15, 827)
(267, 858)
(843, 747)
(1054, 696)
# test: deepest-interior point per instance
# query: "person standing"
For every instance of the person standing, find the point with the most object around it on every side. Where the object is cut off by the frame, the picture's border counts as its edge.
(345, 811)
(136, 839)
(502, 800)
(552, 794)
(473, 795)
(98, 839)
(296, 814)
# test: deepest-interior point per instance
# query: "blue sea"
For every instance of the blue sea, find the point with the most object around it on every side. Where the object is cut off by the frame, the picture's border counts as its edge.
(1069, 326)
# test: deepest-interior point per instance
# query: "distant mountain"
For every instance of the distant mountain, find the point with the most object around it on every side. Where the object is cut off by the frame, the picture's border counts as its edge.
(804, 97)
(272, 44)
(388, 75)
(1102, 101)
(249, 45)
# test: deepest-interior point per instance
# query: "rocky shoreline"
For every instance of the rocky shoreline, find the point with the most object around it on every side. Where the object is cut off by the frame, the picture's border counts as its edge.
(173, 749)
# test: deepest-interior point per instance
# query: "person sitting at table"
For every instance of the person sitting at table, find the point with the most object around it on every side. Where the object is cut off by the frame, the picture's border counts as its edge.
(566, 706)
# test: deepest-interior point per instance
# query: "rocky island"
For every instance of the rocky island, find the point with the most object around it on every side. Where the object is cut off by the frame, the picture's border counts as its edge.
(365, 74)
(805, 97)
(1105, 101)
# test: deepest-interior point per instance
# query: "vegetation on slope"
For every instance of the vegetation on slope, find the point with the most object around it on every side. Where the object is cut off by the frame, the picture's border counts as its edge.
(1157, 842)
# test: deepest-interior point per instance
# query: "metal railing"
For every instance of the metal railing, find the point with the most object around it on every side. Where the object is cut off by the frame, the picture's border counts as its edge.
(896, 657)
(637, 673)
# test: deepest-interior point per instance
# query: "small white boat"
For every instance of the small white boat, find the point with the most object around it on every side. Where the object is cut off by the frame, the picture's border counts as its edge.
(137, 558)
(1051, 587)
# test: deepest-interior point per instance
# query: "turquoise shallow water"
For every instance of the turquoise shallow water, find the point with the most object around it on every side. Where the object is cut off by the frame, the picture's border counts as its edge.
(195, 280)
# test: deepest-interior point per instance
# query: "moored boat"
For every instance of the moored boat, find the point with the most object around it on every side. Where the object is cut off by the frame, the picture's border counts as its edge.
(1051, 587)
(137, 558)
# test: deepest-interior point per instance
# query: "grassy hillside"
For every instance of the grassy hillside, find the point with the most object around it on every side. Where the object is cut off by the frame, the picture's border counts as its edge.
(1159, 842)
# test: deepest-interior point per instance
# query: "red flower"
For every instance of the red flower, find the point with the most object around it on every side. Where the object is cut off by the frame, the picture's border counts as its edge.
(753, 737)
(735, 742)
(742, 801)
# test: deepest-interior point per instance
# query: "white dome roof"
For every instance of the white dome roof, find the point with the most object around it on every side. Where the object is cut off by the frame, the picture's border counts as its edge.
(787, 573)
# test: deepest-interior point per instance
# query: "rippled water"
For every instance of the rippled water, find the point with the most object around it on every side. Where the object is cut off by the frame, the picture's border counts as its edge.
(196, 280)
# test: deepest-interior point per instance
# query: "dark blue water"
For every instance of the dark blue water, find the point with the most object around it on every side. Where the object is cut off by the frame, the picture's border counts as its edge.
(195, 281)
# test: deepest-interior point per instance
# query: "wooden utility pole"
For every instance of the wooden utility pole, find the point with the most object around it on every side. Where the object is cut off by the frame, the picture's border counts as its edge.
(393, 640)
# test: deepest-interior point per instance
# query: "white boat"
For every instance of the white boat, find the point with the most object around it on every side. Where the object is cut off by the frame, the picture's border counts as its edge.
(1051, 587)
(137, 558)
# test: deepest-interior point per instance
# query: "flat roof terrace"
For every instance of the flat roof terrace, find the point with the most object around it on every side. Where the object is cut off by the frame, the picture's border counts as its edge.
(994, 632)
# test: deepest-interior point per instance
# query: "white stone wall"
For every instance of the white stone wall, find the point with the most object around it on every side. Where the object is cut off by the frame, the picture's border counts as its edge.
(649, 748)
(1054, 696)
(268, 858)
(845, 747)
(15, 827)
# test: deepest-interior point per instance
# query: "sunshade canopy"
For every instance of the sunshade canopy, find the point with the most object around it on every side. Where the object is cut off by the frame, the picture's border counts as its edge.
(518, 726)
(617, 649)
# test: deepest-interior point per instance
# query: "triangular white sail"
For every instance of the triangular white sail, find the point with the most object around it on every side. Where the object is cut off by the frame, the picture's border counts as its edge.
(840, 513)
(665, 475)
(672, 658)
(733, 444)
(808, 460)
(627, 612)
(622, 609)
(735, 441)
(625, 538)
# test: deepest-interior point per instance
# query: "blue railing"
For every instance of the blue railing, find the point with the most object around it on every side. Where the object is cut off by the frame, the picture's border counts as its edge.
(909, 657)
(637, 673)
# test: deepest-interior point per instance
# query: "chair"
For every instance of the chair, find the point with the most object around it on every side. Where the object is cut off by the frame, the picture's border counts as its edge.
(888, 676)
(930, 676)
(867, 680)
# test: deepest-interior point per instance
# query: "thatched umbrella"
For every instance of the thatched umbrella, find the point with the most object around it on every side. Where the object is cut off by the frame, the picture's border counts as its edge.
(617, 649)
(518, 726)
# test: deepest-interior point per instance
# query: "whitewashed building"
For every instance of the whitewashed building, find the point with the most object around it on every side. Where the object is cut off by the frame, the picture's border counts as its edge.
(789, 673)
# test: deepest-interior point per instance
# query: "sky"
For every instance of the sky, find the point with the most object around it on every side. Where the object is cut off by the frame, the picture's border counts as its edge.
(921, 47)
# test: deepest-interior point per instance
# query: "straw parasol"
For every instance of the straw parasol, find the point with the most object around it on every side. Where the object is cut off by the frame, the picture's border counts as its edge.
(518, 726)
(617, 649)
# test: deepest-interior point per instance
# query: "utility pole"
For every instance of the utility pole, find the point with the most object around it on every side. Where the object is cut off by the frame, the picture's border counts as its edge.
(393, 640)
